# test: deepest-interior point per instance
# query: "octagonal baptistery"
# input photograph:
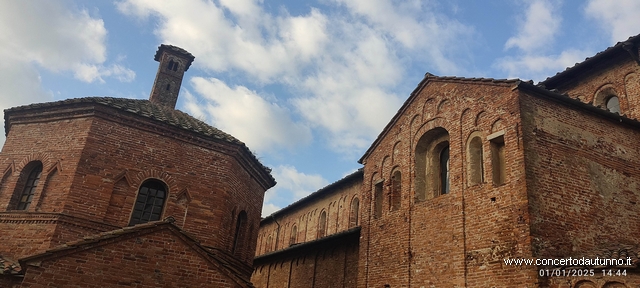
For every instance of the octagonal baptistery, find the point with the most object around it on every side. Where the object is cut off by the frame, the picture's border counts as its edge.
(86, 166)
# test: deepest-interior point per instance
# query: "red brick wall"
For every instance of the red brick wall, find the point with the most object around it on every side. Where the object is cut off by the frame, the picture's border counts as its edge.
(623, 76)
(322, 266)
(94, 164)
(426, 242)
(336, 202)
(583, 181)
(159, 260)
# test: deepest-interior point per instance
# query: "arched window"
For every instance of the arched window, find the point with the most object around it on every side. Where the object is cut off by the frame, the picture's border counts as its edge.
(354, 213)
(150, 202)
(432, 164)
(241, 225)
(613, 104)
(268, 247)
(322, 224)
(475, 161)
(396, 191)
(294, 235)
(498, 164)
(29, 185)
(171, 65)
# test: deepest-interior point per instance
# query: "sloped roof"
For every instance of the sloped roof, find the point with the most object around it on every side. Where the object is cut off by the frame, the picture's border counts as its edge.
(315, 195)
(628, 46)
(430, 77)
(227, 267)
(9, 267)
(146, 109)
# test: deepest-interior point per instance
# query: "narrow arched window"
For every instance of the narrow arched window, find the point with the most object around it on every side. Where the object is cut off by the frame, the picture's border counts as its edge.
(294, 235)
(475, 164)
(613, 104)
(396, 191)
(149, 203)
(268, 246)
(354, 214)
(29, 188)
(171, 63)
(175, 66)
(241, 224)
(322, 224)
(444, 170)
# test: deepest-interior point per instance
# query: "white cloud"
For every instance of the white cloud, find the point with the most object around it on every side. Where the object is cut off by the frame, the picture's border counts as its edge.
(48, 35)
(620, 17)
(537, 67)
(292, 186)
(541, 24)
(535, 36)
(246, 115)
(341, 63)
(268, 209)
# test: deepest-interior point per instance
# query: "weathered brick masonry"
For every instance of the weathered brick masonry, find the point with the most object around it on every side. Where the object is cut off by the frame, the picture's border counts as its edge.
(76, 168)
(472, 171)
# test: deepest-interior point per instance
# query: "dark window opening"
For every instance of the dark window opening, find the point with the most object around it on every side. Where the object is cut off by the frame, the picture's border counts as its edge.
(498, 160)
(168, 87)
(355, 210)
(396, 191)
(378, 200)
(30, 188)
(240, 230)
(444, 170)
(149, 203)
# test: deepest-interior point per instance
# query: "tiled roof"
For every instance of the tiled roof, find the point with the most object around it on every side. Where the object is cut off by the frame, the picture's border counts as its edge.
(176, 50)
(145, 109)
(313, 196)
(550, 82)
(9, 267)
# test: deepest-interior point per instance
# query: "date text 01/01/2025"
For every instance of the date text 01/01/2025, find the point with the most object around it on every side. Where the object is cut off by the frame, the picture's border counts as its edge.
(581, 272)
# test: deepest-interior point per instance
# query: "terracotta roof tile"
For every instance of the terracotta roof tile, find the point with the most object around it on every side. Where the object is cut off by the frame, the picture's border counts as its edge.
(9, 267)
(149, 110)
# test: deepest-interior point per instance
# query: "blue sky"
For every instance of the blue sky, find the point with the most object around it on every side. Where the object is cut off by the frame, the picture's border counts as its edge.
(307, 85)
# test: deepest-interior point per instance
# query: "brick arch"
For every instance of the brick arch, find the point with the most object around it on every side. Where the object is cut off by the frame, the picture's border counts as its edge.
(474, 152)
(443, 105)
(395, 181)
(396, 151)
(498, 125)
(429, 125)
(429, 108)
(43, 157)
(142, 176)
(480, 118)
(467, 117)
(598, 97)
(386, 161)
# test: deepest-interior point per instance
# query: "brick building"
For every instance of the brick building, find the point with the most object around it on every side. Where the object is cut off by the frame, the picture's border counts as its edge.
(104, 192)
(473, 171)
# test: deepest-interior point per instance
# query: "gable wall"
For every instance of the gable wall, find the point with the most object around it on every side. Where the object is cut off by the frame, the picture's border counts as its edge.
(459, 238)
(159, 260)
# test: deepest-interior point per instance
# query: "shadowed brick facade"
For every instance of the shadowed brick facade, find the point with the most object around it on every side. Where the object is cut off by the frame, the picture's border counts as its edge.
(100, 159)
(473, 171)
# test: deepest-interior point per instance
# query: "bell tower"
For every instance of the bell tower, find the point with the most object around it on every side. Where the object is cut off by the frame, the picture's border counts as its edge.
(174, 61)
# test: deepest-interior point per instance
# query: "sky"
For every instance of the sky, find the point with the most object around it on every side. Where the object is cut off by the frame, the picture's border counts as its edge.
(307, 85)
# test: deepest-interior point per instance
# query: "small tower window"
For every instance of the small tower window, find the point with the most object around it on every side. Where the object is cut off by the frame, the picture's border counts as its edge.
(150, 202)
(168, 87)
(30, 187)
(171, 64)
(613, 104)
